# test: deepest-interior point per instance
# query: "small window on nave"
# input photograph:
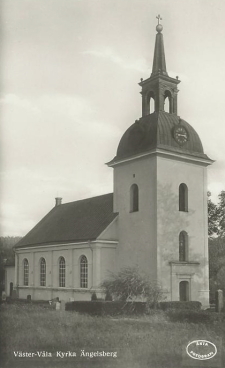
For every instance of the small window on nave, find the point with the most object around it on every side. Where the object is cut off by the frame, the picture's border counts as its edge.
(25, 272)
(42, 272)
(83, 272)
(62, 272)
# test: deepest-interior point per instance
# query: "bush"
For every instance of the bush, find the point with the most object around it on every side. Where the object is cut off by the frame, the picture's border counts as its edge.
(180, 305)
(101, 308)
(129, 285)
(108, 297)
(194, 316)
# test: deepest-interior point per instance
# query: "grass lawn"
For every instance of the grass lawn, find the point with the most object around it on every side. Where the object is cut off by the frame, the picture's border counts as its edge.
(149, 341)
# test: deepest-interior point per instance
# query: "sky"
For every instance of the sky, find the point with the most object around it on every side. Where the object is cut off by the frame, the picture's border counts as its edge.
(69, 90)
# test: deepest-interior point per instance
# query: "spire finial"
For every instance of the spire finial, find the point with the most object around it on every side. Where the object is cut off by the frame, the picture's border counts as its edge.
(159, 26)
(159, 18)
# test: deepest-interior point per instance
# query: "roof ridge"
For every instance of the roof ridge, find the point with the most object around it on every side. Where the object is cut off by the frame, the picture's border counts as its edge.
(85, 199)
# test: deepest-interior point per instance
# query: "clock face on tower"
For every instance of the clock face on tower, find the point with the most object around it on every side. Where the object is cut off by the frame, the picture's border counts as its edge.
(180, 134)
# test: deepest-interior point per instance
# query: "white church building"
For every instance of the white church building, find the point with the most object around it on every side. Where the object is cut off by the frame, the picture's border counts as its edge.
(156, 218)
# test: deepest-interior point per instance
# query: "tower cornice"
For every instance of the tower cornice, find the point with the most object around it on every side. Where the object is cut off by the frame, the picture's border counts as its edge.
(164, 153)
(158, 77)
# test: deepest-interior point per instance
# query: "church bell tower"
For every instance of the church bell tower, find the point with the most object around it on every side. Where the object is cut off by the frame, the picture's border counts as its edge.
(159, 86)
(160, 191)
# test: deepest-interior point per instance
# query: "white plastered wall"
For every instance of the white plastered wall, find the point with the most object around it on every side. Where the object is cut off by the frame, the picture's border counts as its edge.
(136, 230)
(100, 255)
(9, 278)
(170, 222)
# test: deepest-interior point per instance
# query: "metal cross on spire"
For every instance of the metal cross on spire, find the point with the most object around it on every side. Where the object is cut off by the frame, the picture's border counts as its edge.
(159, 18)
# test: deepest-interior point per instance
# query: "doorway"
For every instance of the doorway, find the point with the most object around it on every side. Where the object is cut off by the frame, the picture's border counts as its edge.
(10, 288)
(184, 291)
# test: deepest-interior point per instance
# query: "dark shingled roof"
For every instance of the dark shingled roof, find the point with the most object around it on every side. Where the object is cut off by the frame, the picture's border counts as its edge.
(156, 131)
(72, 222)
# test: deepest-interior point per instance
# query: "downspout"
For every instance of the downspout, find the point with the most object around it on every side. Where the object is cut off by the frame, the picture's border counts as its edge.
(16, 272)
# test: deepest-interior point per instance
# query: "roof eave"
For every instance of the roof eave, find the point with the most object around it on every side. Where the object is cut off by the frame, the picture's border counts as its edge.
(162, 151)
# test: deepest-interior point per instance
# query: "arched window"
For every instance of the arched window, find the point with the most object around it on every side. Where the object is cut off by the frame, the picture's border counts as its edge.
(184, 291)
(25, 272)
(42, 272)
(83, 272)
(62, 272)
(183, 197)
(183, 246)
(150, 103)
(168, 102)
(134, 198)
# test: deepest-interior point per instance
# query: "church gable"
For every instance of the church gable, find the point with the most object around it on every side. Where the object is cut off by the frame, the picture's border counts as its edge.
(111, 231)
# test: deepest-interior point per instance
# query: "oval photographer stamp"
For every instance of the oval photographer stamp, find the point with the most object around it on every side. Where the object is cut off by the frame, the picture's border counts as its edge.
(201, 349)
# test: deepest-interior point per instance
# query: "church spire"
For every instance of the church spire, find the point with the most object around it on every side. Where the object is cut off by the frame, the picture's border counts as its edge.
(159, 91)
(159, 60)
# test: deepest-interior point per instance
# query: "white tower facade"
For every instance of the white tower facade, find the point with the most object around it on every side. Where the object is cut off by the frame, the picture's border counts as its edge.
(160, 192)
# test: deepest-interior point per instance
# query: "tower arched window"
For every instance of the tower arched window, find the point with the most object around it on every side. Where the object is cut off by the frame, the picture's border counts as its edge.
(83, 272)
(134, 198)
(25, 272)
(42, 272)
(62, 272)
(168, 102)
(150, 102)
(183, 246)
(183, 197)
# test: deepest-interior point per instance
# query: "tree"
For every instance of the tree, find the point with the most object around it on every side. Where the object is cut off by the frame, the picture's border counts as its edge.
(216, 216)
(216, 265)
(216, 255)
(221, 215)
(129, 285)
(6, 255)
(213, 219)
(216, 221)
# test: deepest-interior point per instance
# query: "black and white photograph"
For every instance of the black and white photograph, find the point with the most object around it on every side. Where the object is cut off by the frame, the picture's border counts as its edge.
(112, 183)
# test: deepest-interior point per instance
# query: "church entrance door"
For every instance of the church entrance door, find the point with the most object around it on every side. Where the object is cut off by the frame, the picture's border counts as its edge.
(10, 288)
(184, 291)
